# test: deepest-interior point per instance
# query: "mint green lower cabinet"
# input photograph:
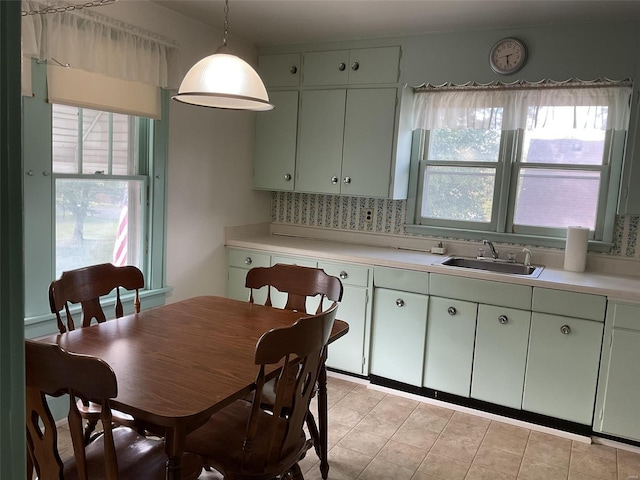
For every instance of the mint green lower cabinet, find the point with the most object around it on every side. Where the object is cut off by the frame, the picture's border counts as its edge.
(562, 367)
(240, 262)
(617, 411)
(451, 329)
(500, 356)
(399, 325)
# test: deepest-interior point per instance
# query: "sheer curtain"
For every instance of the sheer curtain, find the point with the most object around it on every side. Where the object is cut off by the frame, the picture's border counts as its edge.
(602, 108)
(96, 43)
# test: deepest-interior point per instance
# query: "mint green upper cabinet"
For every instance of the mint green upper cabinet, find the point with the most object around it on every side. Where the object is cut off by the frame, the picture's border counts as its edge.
(345, 143)
(617, 411)
(451, 329)
(282, 70)
(562, 367)
(275, 146)
(500, 355)
(352, 67)
(399, 324)
(320, 139)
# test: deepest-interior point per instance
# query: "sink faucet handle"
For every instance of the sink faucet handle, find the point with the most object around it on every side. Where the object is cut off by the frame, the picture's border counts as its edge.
(527, 256)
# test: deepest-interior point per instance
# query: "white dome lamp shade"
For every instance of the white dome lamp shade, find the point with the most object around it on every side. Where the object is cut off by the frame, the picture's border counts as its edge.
(223, 80)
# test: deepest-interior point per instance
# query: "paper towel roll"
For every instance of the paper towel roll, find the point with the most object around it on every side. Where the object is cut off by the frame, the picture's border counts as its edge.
(575, 253)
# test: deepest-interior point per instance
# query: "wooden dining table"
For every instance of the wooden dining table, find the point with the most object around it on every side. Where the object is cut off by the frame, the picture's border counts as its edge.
(178, 364)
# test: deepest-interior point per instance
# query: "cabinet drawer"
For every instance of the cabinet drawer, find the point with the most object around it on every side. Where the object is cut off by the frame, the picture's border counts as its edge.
(248, 259)
(280, 70)
(348, 274)
(303, 262)
(571, 304)
(481, 291)
(624, 315)
(399, 279)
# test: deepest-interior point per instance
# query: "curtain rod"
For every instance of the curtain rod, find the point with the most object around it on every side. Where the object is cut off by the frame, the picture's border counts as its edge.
(523, 85)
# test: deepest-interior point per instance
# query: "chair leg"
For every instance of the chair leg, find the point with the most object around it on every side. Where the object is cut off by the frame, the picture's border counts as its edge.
(322, 420)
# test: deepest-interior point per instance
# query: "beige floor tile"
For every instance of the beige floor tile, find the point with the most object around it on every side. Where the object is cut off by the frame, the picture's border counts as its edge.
(379, 469)
(400, 401)
(536, 470)
(603, 451)
(573, 475)
(357, 401)
(344, 415)
(501, 427)
(344, 464)
(402, 454)
(498, 460)
(548, 452)
(632, 458)
(558, 442)
(383, 426)
(468, 418)
(389, 410)
(438, 466)
(477, 472)
(583, 462)
(336, 431)
(628, 471)
(415, 436)
(495, 438)
(432, 420)
(474, 432)
(459, 448)
(436, 410)
(363, 442)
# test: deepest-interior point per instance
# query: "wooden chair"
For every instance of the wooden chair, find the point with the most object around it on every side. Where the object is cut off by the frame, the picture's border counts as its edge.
(86, 286)
(243, 441)
(119, 453)
(300, 283)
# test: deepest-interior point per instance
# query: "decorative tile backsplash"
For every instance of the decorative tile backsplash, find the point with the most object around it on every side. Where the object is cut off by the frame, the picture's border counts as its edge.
(388, 216)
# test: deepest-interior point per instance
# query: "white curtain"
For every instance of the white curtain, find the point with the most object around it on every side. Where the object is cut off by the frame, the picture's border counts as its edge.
(96, 43)
(601, 108)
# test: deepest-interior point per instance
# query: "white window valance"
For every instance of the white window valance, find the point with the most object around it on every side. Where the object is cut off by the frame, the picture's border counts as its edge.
(602, 108)
(96, 43)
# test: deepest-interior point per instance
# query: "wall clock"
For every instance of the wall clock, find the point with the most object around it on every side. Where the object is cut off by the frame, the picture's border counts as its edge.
(508, 56)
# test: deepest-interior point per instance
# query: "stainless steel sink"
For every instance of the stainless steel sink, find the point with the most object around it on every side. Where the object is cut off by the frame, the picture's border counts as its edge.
(498, 266)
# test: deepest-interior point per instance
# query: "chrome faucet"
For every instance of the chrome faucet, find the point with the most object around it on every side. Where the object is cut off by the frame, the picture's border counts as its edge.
(527, 256)
(494, 252)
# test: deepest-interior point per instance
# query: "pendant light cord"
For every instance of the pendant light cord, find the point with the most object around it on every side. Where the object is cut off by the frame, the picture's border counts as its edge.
(226, 22)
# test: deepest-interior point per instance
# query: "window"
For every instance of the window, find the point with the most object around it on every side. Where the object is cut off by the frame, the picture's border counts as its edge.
(99, 161)
(523, 162)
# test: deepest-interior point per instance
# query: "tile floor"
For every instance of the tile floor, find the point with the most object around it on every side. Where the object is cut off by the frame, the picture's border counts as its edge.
(375, 435)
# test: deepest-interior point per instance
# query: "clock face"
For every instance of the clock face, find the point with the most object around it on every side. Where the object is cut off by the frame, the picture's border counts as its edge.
(508, 56)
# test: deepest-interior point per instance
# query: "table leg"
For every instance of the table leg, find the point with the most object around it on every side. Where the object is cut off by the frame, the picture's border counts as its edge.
(322, 419)
(174, 447)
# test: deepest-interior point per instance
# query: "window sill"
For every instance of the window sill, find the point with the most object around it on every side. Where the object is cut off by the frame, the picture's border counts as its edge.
(513, 238)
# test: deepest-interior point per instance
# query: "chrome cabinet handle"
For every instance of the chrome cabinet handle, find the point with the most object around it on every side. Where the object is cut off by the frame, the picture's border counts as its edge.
(503, 319)
(565, 329)
(293, 70)
(347, 180)
(355, 66)
(334, 180)
(287, 177)
(344, 275)
(342, 67)
(400, 302)
(452, 310)
(248, 261)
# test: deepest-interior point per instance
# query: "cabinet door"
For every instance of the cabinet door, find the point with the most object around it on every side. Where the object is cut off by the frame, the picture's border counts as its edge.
(321, 131)
(451, 329)
(619, 413)
(275, 147)
(282, 70)
(374, 65)
(348, 353)
(368, 142)
(562, 367)
(500, 356)
(240, 261)
(399, 326)
(326, 68)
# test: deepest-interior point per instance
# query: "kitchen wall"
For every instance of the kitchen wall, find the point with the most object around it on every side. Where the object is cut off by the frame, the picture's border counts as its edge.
(348, 214)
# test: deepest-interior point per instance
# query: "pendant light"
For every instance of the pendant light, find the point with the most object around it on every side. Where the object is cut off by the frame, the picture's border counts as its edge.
(223, 80)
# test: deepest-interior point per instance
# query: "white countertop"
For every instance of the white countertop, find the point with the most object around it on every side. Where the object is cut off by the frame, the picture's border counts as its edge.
(615, 287)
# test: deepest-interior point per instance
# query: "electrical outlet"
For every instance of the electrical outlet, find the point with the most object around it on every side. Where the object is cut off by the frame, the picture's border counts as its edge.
(368, 216)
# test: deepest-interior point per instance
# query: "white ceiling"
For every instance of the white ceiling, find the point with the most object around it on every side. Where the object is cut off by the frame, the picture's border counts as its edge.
(276, 22)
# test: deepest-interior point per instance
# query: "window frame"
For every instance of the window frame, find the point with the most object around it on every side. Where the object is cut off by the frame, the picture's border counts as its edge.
(39, 207)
